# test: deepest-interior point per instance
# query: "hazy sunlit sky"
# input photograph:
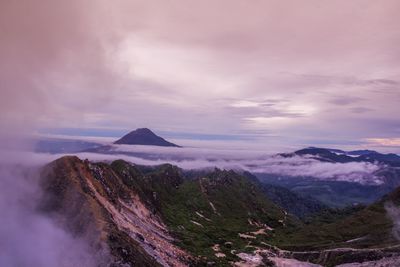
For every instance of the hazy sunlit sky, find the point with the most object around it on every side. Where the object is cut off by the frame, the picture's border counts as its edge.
(270, 73)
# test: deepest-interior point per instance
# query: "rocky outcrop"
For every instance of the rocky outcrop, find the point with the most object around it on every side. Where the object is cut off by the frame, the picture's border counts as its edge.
(92, 202)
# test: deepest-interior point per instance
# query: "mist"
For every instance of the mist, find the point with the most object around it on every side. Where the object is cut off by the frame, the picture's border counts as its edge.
(238, 159)
(249, 160)
(48, 54)
(393, 211)
(27, 237)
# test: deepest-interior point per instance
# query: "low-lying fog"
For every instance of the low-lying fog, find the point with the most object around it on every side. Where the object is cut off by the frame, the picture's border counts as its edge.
(256, 161)
(28, 237)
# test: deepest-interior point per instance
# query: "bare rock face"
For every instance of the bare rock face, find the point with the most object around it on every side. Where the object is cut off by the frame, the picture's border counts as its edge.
(92, 202)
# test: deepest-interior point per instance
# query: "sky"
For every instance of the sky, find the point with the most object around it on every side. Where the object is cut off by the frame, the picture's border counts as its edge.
(259, 73)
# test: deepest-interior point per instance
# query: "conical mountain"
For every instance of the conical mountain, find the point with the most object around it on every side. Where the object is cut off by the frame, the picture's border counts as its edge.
(144, 136)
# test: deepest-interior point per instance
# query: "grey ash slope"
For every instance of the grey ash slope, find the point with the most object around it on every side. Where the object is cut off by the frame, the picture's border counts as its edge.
(144, 136)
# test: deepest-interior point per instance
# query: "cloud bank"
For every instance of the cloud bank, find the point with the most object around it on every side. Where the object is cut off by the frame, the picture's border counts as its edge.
(252, 161)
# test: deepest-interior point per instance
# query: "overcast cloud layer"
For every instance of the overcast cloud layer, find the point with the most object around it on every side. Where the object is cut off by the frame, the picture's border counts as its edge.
(270, 72)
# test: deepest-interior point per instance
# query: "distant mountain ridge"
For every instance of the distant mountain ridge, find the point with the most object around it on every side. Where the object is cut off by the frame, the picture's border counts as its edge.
(144, 136)
(366, 189)
(341, 156)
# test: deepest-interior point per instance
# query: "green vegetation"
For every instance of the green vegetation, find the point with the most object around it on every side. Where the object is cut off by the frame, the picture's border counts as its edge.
(209, 210)
(335, 194)
(205, 209)
(213, 208)
(217, 214)
(367, 228)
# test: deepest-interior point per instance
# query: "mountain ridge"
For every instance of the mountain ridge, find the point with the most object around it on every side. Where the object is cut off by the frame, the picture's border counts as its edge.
(158, 216)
